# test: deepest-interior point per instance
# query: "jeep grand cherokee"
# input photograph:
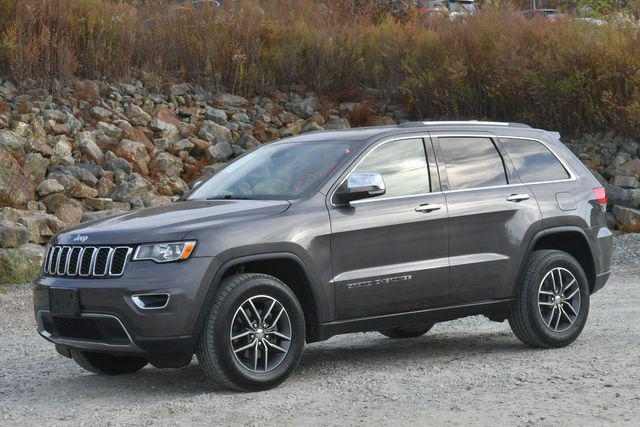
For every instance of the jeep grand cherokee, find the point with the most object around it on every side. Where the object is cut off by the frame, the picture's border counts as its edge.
(386, 228)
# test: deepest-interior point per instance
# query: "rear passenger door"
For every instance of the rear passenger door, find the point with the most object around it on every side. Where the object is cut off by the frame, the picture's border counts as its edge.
(490, 212)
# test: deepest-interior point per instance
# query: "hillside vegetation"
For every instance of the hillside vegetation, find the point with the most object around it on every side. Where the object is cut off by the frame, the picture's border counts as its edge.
(566, 75)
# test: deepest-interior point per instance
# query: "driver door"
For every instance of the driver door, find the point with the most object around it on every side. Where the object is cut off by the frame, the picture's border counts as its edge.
(390, 252)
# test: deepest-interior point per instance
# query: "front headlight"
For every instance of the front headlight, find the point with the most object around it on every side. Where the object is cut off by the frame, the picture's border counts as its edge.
(165, 252)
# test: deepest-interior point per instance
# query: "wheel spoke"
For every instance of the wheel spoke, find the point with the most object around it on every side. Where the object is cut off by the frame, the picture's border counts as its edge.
(553, 281)
(558, 320)
(243, 334)
(572, 294)
(275, 322)
(280, 335)
(277, 347)
(266, 355)
(551, 317)
(251, 344)
(255, 356)
(573, 310)
(246, 318)
(566, 315)
(255, 310)
(269, 310)
(545, 303)
(546, 293)
(566, 288)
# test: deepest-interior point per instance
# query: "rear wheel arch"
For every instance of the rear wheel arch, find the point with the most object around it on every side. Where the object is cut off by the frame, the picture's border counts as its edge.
(571, 240)
(286, 267)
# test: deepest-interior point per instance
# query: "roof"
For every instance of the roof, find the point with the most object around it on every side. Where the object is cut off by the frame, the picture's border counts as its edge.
(368, 133)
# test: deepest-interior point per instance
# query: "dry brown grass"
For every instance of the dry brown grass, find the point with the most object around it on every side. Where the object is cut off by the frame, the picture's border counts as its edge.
(564, 75)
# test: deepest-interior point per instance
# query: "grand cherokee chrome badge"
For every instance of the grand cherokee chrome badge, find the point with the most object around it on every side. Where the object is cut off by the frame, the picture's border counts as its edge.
(80, 238)
(377, 282)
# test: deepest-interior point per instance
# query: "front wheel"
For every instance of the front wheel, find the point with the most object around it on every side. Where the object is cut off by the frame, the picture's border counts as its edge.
(107, 364)
(552, 303)
(254, 333)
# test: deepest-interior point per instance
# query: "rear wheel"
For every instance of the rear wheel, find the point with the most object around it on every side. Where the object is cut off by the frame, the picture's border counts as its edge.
(107, 364)
(552, 303)
(254, 333)
(407, 331)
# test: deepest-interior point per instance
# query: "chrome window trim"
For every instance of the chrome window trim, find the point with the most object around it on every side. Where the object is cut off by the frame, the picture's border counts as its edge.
(124, 264)
(572, 175)
(421, 136)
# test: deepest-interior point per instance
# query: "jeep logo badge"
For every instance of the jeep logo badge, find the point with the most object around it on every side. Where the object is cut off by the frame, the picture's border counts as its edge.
(80, 238)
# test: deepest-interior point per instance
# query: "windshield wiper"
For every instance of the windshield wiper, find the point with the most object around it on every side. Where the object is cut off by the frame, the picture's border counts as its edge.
(228, 197)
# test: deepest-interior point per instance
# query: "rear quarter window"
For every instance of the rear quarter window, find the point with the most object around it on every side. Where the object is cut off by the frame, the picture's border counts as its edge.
(472, 162)
(533, 160)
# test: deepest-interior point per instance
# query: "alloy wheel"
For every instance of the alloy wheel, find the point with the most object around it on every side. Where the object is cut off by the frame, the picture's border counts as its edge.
(559, 299)
(260, 334)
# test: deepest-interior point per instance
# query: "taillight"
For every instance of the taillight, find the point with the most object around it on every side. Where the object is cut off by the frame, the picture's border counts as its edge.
(600, 196)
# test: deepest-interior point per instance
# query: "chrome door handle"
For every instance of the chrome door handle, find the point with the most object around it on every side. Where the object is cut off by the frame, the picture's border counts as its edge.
(428, 208)
(517, 197)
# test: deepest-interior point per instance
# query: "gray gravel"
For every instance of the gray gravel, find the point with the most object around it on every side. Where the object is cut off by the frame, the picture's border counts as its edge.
(469, 371)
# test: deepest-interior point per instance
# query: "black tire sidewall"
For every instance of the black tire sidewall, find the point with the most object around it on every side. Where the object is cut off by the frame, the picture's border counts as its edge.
(549, 337)
(237, 373)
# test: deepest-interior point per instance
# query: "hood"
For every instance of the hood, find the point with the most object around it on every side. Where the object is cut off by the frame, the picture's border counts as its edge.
(167, 223)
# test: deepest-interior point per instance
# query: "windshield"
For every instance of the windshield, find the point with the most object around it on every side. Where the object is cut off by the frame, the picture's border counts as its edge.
(277, 172)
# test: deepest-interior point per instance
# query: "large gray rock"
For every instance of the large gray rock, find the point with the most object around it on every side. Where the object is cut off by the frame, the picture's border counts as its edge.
(49, 186)
(12, 235)
(92, 216)
(166, 164)
(304, 107)
(137, 116)
(617, 196)
(100, 113)
(227, 101)
(219, 152)
(86, 143)
(110, 130)
(35, 166)
(214, 133)
(336, 122)
(215, 115)
(628, 219)
(134, 186)
(625, 181)
(41, 226)
(99, 204)
(179, 89)
(22, 264)
(13, 143)
(15, 187)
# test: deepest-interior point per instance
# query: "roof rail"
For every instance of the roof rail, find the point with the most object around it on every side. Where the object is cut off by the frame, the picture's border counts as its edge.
(463, 122)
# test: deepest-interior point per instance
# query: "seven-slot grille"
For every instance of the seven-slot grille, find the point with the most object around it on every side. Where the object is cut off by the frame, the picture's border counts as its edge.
(86, 261)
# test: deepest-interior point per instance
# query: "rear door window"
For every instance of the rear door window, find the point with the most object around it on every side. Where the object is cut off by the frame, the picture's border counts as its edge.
(472, 162)
(533, 160)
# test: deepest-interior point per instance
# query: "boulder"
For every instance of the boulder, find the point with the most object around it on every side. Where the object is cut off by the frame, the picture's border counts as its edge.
(166, 164)
(110, 130)
(305, 107)
(134, 186)
(22, 264)
(214, 133)
(49, 186)
(136, 154)
(92, 216)
(628, 219)
(248, 142)
(625, 181)
(179, 89)
(41, 226)
(69, 214)
(227, 100)
(105, 187)
(152, 200)
(137, 116)
(219, 152)
(13, 143)
(62, 152)
(99, 203)
(12, 235)
(15, 187)
(215, 115)
(35, 167)
(86, 143)
(172, 186)
(100, 113)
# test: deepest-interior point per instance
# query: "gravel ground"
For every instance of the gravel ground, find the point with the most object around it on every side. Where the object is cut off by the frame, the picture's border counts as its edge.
(469, 371)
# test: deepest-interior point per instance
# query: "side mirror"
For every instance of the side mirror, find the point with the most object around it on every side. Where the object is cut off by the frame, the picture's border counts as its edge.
(361, 185)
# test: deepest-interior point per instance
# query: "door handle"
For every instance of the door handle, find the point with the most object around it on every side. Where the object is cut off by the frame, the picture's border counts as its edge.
(428, 208)
(517, 198)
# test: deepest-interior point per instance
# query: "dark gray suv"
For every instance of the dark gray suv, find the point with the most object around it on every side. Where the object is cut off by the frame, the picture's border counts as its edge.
(388, 229)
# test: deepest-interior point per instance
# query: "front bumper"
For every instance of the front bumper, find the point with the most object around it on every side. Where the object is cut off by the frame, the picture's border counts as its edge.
(110, 321)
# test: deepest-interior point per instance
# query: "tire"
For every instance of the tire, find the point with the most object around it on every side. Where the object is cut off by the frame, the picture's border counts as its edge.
(107, 364)
(412, 331)
(542, 314)
(240, 364)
